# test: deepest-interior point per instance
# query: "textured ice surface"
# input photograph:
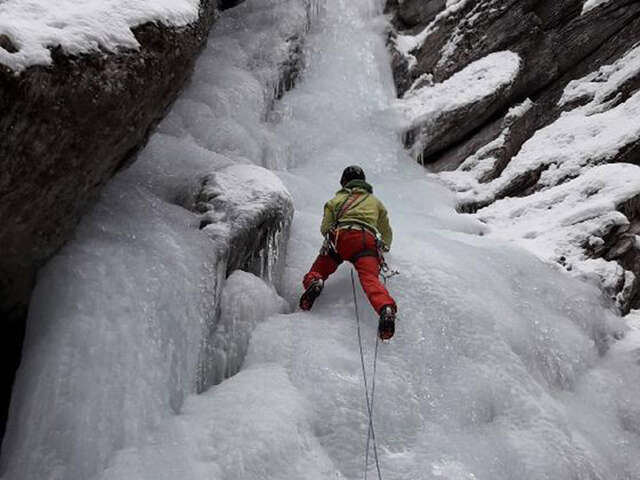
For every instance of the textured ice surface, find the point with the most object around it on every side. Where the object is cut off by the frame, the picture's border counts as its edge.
(499, 369)
(81, 26)
(246, 300)
(495, 372)
(122, 320)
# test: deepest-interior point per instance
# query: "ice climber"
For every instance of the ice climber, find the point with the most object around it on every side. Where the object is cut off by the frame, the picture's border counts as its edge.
(355, 227)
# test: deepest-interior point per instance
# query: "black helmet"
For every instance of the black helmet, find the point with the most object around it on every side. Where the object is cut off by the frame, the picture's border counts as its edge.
(352, 172)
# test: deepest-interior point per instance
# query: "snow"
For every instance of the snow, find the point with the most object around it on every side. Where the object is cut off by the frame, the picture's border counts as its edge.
(259, 187)
(601, 84)
(557, 222)
(591, 4)
(240, 197)
(453, 40)
(405, 44)
(475, 82)
(81, 27)
(631, 342)
(500, 368)
(579, 196)
(520, 109)
(578, 139)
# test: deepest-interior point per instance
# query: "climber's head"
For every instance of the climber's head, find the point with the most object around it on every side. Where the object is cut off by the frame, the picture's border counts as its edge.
(352, 172)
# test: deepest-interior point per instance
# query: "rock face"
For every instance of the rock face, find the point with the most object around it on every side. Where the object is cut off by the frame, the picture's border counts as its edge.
(579, 76)
(65, 130)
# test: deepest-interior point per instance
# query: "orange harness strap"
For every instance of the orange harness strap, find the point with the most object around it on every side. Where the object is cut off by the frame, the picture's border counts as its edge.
(344, 209)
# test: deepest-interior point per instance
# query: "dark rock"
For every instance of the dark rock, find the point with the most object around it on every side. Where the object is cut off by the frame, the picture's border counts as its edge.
(7, 44)
(66, 129)
(550, 38)
(452, 158)
(451, 126)
(411, 13)
(626, 250)
(224, 4)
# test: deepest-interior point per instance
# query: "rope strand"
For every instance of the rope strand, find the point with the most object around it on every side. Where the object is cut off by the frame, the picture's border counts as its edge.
(371, 434)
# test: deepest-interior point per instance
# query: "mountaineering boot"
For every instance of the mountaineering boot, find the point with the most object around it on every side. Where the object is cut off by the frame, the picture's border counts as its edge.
(310, 294)
(387, 325)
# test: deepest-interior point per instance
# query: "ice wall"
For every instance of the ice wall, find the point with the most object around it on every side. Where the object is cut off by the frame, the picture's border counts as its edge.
(125, 321)
(501, 368)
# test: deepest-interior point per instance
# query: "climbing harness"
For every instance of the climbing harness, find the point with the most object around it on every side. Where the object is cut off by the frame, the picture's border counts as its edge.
(385, 271)
(350, 202)
(371, 434)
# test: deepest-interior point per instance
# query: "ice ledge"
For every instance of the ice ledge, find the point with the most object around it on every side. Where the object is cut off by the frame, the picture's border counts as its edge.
(247, 211)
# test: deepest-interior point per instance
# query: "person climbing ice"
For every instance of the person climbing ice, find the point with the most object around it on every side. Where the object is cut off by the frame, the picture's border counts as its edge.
(355, 227)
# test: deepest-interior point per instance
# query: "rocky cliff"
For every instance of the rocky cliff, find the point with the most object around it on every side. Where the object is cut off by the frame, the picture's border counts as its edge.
(547, 157)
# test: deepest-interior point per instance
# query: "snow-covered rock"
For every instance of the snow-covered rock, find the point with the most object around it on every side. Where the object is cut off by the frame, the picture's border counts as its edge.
(519, 165)
(33, 27)
(436, 115)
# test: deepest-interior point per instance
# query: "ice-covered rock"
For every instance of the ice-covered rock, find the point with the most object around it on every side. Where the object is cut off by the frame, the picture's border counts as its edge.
(158, 222)
(248, 211)
(91, 80)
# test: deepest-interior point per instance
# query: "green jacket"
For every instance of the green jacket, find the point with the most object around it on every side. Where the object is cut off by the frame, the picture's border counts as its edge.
(366, 210)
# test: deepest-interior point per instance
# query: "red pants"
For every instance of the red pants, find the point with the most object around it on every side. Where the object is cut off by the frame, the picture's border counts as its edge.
(351, 242)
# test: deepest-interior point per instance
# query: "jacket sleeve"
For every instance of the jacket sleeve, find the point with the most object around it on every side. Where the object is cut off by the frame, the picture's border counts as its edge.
(383, 226)
(327, 219)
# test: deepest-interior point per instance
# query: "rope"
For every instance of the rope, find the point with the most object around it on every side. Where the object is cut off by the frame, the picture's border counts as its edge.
(371, 434)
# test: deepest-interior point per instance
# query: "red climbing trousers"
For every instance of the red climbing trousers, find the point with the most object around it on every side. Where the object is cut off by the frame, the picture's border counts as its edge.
(351, 245)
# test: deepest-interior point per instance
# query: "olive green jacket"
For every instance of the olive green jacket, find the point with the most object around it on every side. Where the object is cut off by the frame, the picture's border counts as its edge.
(366, 210)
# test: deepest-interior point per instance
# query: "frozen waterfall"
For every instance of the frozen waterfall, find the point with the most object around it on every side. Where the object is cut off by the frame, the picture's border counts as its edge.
(501, 368)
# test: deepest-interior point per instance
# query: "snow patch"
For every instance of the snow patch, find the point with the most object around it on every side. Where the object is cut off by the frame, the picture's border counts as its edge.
(559, 222)
(405, 44)
(591, 4)
(475, 82)
(601, 84)
(34, 26)
(521, 109)
(249, 188)
(578, 196)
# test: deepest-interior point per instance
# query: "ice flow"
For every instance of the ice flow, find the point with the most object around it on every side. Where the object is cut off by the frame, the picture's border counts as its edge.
(501, 367)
